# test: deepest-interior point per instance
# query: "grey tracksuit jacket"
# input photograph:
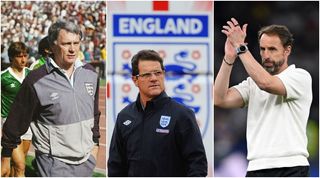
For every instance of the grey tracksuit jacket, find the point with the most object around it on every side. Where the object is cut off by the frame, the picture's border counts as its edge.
(64, 119)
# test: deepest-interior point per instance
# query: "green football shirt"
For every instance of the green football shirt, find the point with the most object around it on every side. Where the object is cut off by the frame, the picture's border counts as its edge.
(10, 85)
(38, 63)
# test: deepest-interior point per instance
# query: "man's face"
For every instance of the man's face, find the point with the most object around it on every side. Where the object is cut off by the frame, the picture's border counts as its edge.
(20, 61)
(66, 48)
(150, 80)
(274, 55)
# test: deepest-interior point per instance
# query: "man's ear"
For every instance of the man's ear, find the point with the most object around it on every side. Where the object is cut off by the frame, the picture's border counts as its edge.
(135, 80)
(287, 50)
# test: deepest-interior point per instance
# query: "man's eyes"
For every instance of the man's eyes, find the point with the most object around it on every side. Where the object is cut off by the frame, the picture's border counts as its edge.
(146, 75)
(68, 44)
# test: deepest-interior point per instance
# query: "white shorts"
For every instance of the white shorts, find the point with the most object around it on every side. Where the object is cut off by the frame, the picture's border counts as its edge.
(25, 136)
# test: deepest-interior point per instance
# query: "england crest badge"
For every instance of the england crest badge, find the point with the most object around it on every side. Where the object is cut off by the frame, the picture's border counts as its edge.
(164, 121)
(90, 89)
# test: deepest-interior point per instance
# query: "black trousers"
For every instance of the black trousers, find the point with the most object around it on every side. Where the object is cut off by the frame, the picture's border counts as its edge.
(298, 171)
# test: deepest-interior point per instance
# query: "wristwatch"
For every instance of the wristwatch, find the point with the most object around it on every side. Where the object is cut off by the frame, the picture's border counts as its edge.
(242, 49)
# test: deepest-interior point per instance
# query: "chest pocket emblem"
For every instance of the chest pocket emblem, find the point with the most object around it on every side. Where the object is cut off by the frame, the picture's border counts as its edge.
(89, 87)
(164, 121)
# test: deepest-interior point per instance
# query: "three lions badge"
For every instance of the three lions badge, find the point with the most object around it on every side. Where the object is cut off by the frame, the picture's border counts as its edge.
(164, 121)
(90, 89)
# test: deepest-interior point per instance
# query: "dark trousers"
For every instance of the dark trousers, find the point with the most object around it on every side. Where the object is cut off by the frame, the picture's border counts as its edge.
(298, 171)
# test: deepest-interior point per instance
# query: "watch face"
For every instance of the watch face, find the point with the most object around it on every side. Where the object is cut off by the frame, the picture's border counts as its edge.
(242, 48)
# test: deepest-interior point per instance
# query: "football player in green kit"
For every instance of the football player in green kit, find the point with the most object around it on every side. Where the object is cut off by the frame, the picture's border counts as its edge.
(11, 80)
(44, 52)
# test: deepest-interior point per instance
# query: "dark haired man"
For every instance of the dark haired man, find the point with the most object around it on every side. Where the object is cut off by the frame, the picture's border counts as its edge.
(155, 136)
(43, 51)
(278, 98)
(11, 80)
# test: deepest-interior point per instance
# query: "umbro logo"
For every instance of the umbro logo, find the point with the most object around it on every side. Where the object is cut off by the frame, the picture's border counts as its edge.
(127, 122)
(54, 96)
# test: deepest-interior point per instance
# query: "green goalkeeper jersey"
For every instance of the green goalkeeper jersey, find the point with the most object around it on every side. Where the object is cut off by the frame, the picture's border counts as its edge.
(10, 85)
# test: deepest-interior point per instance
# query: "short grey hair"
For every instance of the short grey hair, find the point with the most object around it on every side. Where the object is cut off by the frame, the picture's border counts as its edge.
(62, 24)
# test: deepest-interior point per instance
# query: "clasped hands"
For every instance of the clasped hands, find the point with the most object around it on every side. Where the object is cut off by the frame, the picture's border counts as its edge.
(235, 37)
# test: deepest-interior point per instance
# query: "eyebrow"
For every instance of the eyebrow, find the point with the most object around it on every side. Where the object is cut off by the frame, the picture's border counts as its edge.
(70, 41)
(153, 70)
(270, 48)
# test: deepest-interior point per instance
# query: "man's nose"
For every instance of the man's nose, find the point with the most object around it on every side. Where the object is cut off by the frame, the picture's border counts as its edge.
(265, 54)
(153, 77)
(72, 48)
(24, 58)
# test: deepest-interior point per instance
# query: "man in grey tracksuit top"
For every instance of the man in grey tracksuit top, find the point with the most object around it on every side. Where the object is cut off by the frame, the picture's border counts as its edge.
(60, 103)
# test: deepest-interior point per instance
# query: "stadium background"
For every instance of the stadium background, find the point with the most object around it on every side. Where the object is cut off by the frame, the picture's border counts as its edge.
(28, 22)
(302, 19)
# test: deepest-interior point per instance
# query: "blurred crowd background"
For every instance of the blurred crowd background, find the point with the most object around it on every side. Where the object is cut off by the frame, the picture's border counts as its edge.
(28, 22)
(302, 19)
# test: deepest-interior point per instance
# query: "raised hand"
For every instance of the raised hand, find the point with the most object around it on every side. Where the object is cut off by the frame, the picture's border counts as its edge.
(235, 33)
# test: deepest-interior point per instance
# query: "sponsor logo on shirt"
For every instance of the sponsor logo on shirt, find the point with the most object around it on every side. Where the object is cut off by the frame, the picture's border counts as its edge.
(164, 121)
(166, 131)
(89, 87)
(12, 85)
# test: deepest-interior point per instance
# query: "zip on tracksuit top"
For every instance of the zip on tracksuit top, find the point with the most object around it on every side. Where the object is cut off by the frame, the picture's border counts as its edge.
(161, 140)
(64, 118)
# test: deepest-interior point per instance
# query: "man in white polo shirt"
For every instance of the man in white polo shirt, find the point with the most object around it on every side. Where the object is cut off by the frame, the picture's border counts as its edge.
(278, 98)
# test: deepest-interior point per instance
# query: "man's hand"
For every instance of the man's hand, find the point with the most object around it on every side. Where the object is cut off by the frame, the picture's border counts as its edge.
(94, 152)
(5, 166)
(234, 32)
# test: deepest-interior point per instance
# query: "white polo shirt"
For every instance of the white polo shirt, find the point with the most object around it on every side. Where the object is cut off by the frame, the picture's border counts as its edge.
(276, 125)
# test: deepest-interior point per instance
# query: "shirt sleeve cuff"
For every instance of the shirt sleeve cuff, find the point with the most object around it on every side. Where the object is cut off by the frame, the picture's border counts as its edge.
(96, 141)
(6, 152)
